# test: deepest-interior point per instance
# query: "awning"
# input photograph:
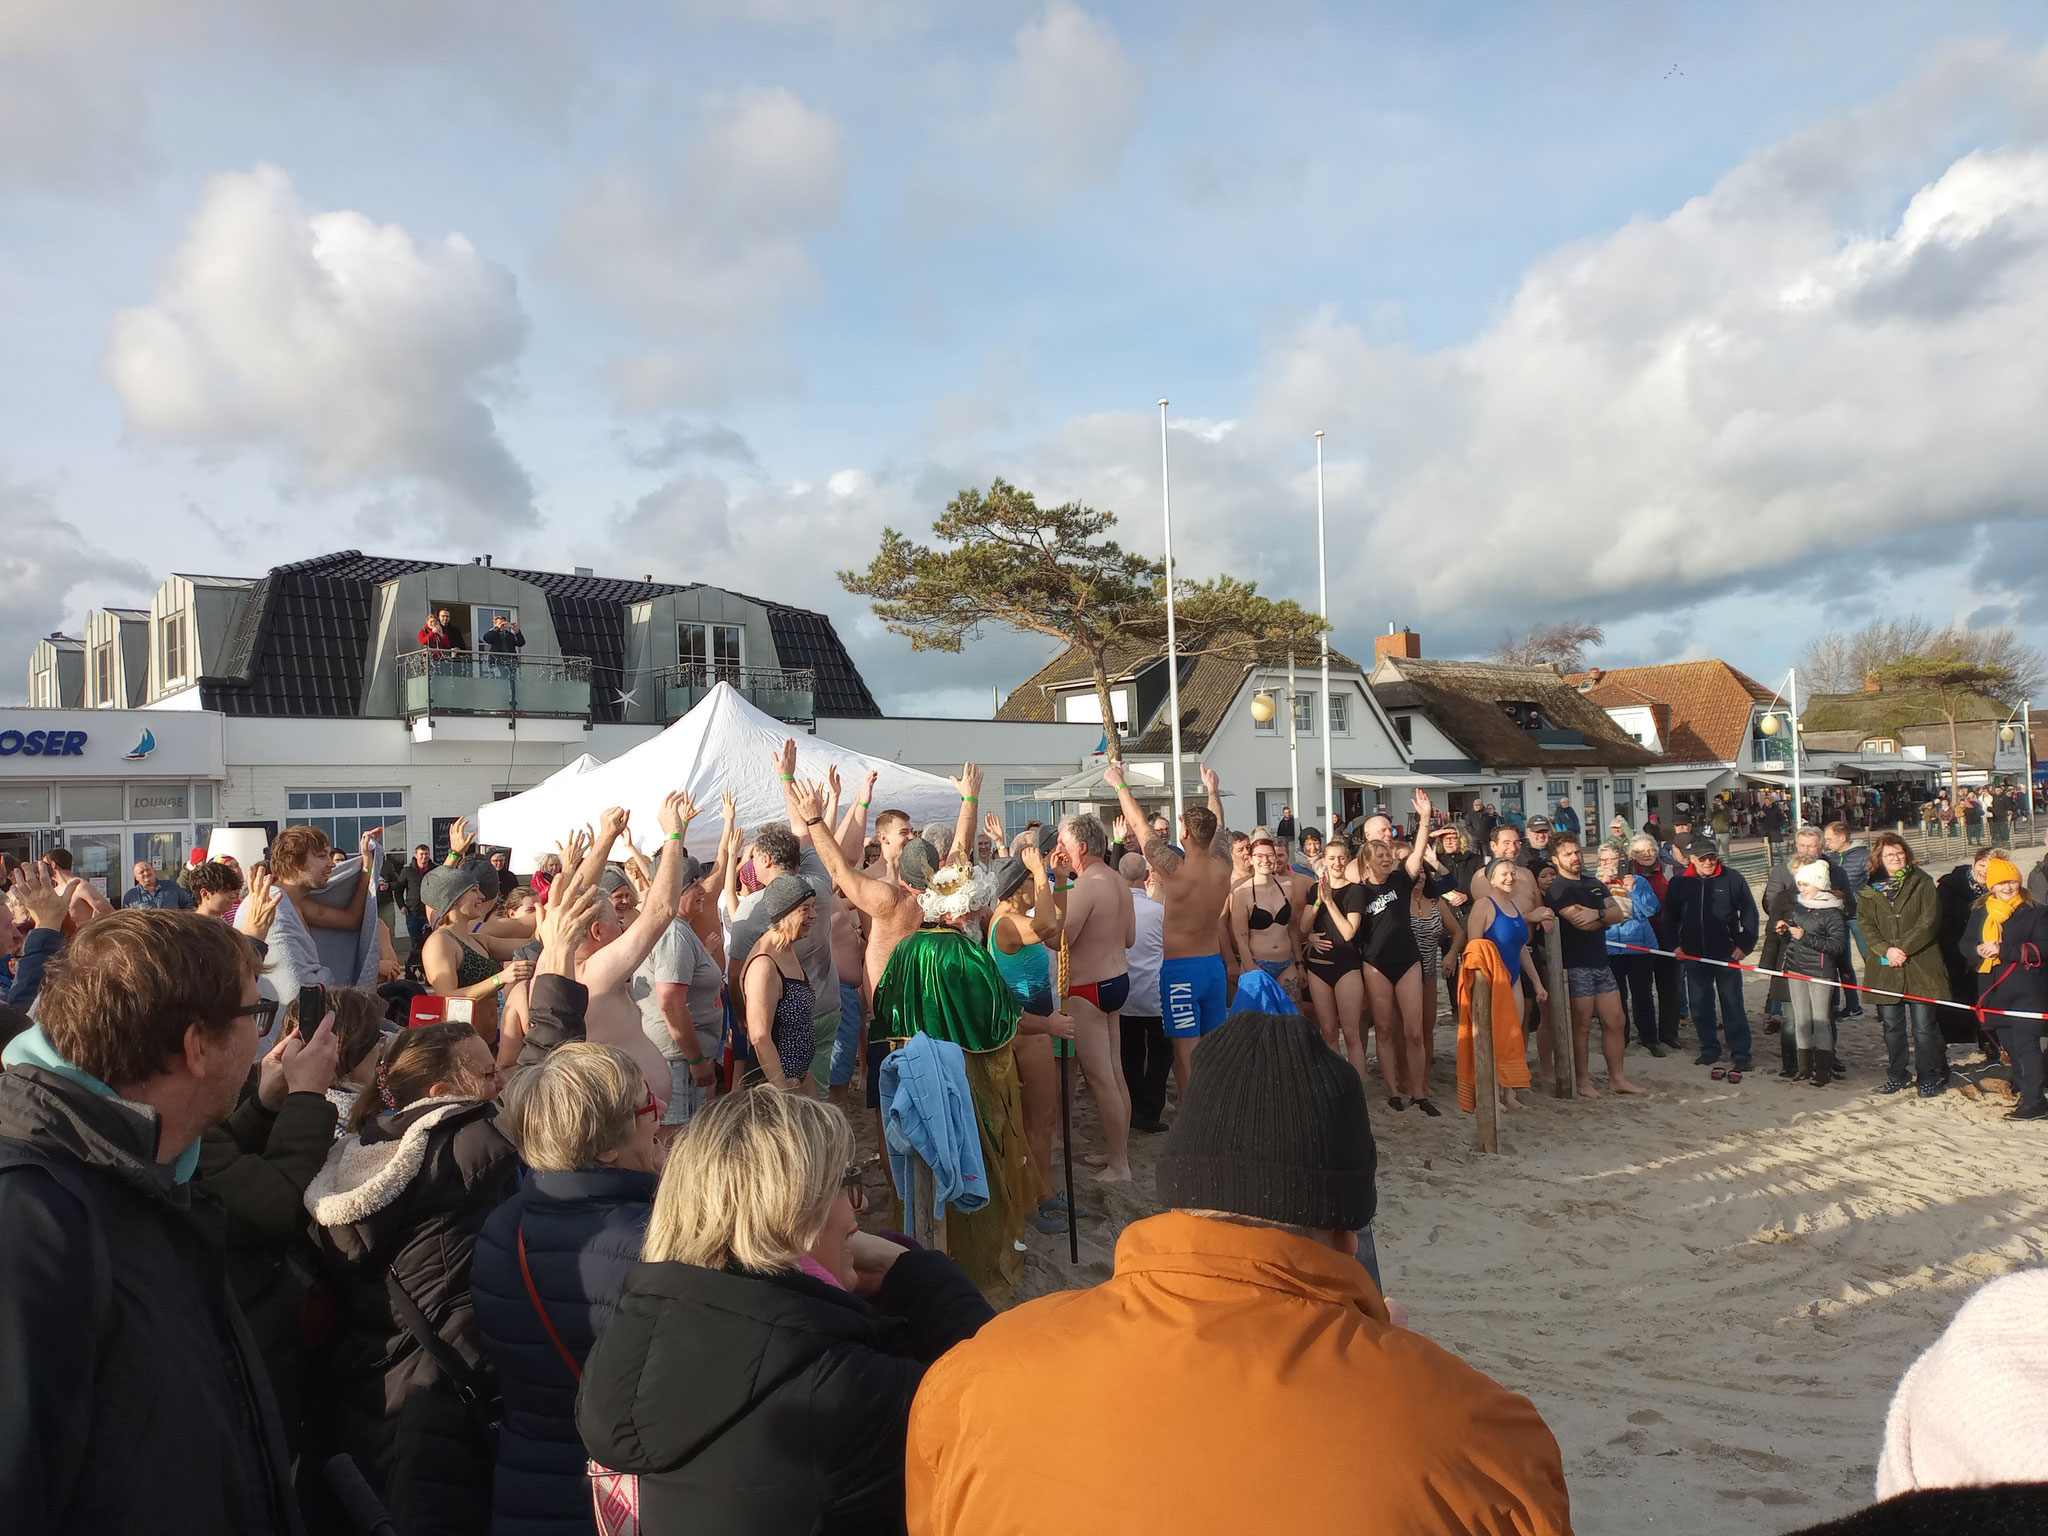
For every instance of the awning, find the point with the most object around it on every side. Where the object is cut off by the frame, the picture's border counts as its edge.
(1806, 780)
(1395, 778)
(1089, 787)
(1685, 776)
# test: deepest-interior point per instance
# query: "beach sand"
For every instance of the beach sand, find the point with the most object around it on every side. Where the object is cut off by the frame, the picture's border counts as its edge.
(1709, 1292)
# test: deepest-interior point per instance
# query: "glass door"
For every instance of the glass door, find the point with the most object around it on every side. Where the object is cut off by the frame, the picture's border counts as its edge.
(96, 856)
(162, 846)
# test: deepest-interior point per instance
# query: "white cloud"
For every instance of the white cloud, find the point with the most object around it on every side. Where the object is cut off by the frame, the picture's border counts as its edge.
(1066, 104)
(360, 356)
(43, 560)
(706, 254)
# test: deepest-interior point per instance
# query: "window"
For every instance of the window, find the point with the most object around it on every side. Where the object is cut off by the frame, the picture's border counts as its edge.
(1304, 714)
(1020, 804)
(170, 639)
(1511, 802)
(1084, 707)
(716, 649)
(1340, 714)
(103, 675)
(346, 814)
(44, 694)
(1625, 799)
(1404, 728)
(1524, 714)
(1555, 790)
(1267, 727)
(484, 617)
(1769, 749)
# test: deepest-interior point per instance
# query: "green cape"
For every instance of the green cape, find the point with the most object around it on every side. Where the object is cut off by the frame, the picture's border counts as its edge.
(941, 983)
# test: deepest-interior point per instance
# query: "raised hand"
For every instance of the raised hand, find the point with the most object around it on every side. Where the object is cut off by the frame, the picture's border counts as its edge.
(46, 901)
(564, 923)
(785, 759)
(678, 809)
(969, 781)
(807, 800)
(612, 824)
(1424, 809)
(259, 905)
(367, 850)
(728, 808)
(461, 837)
(993, 826)
(1211, 784)
(1113, 773)
(867, 786)
(832, 780)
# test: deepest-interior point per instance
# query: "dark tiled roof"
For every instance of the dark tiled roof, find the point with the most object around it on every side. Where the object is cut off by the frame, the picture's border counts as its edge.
(1463, 698)
(299, 638)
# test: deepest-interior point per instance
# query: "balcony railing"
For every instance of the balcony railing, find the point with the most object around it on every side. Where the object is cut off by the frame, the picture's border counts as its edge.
(784, 692)
(480, 683)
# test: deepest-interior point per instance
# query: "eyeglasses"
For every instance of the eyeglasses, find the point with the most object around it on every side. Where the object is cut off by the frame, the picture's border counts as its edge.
(856, 1193)
(264, 1010)
(649, 1108)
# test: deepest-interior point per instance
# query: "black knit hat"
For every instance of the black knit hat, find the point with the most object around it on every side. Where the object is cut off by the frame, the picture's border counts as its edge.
(1274, 1126)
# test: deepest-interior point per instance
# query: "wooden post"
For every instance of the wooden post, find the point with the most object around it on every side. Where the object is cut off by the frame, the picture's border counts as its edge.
(1484, 1081)
(927, 1229)
(1563, 1063)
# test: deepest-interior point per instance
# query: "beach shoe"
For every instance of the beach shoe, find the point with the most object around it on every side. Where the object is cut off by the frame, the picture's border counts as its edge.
(1049, 1222)
(1772, 1023)
(1427, 1108)
(1934, 1090)
(2035, 1111)
(1734, 1074)
(1719, 1074)
(1057, 1204)
(1657, 1048)
(1395, 1101)
(1888, 1086)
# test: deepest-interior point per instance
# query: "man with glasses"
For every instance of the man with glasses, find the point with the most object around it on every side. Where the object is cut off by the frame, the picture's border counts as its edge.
(113, 1279)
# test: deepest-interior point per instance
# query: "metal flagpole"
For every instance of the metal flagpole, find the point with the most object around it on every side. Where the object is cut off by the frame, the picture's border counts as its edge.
(1323, 607)
(2027, 716)
(1293, 765)
(1792, 701)
(1172, 647)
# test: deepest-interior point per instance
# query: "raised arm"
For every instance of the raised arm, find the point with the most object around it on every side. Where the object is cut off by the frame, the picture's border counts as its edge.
(1046, 919)
(728, 847)
(853, 826)
(610, 966)
(315, 915)
(1213, 786)
(969, 785)
(1158, 850)
(1419, 849)
(806, 804)
(609, 826)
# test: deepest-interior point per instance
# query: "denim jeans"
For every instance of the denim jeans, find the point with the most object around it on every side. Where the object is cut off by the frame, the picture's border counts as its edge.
(1912, 1038)
(1369, 1254)
(846, 1043)
(1708, 985)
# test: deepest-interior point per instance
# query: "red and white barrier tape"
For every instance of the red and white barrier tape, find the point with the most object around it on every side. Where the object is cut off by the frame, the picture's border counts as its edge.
(1846, 986)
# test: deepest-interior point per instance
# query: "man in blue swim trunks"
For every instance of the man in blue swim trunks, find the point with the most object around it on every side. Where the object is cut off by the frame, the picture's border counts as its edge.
(1194, 888)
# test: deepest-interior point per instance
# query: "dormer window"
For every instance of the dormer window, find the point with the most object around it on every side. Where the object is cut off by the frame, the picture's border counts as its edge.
(1524, 713)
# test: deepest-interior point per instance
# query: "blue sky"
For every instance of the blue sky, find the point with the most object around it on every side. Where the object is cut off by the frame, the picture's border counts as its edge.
(1719, 324)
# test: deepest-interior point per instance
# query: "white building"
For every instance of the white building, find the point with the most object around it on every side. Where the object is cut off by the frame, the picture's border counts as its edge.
(305, 696)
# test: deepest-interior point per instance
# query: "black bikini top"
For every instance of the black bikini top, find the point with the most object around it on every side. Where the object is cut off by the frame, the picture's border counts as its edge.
(1262, 919)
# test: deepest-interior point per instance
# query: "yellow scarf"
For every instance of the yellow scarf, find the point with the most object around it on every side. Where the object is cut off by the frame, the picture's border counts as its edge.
(1996, 910)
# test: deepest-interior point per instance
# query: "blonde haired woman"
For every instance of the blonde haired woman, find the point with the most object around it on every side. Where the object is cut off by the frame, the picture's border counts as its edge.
(758, 1372)
(551, 1261)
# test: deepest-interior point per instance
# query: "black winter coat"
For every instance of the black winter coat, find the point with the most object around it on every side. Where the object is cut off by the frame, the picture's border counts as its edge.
(764, 1405)
(1711, 916)
(407, 1199)
(1955, 893)
(2018, 978)
(1822, 944)
(131, 1391)
(583, 1232)
(258, 1166)
(1999, 1509)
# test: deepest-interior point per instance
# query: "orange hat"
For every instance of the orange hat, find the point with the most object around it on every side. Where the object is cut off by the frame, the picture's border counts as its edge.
(2000, 868)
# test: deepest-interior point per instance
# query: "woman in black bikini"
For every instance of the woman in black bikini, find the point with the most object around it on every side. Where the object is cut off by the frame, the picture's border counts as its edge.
(1393, 967)
(1262, 913)
(462, 955)
(1336, 990)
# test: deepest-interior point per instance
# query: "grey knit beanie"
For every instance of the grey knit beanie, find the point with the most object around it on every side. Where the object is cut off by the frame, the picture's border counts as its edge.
(1274, 1126)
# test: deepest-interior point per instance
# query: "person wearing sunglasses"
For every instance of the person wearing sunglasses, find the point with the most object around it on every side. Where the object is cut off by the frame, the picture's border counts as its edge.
(113, 1274)
(550, 1264)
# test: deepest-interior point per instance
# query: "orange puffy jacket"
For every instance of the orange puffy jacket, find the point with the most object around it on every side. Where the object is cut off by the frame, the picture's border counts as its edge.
(1227, 1379)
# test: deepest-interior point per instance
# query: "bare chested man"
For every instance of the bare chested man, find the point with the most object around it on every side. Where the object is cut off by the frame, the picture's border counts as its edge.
(1194, 888)
(1101, 926)
(620, 940)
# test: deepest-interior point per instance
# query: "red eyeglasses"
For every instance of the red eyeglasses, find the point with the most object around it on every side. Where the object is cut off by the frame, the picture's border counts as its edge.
(649, 1108)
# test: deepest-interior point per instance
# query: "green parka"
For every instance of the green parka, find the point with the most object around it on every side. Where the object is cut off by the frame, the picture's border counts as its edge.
(1911, 922)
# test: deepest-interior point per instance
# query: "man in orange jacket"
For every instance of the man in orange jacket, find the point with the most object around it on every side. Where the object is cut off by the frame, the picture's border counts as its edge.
(1239, 1372)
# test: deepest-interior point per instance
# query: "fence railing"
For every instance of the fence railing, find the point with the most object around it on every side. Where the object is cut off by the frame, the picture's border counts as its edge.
(787, 693)
(484, 683)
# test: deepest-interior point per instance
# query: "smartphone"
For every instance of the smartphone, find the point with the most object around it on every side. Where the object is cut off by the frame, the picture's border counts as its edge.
(312, 1009)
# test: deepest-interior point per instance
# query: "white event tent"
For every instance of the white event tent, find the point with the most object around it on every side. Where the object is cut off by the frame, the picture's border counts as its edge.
(723, 744)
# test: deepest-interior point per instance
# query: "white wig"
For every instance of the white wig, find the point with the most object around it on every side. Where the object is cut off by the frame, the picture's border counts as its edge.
(956, 890)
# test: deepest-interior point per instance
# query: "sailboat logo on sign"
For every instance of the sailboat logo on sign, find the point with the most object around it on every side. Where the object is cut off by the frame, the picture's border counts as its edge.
(142, 748)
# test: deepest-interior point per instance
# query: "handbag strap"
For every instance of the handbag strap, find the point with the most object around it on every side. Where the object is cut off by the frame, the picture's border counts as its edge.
(475, 1392)
(533, 1295)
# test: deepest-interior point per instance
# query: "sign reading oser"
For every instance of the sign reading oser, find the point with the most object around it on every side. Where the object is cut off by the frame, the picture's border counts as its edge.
(58, 743)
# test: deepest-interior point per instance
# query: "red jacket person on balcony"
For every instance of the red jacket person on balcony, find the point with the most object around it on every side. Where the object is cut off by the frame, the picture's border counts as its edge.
(440, 633)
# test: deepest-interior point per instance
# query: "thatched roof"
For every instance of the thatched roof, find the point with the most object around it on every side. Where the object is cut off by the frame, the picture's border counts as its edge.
(1463, 699)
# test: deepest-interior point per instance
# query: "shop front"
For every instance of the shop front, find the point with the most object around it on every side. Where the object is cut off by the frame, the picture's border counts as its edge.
(113, 786)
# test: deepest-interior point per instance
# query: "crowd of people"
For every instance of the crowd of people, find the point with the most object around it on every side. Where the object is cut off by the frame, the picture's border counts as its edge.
(548, 1215)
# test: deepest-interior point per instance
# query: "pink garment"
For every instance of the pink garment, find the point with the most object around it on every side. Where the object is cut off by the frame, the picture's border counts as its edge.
(817, 1271)
(1973, 1409)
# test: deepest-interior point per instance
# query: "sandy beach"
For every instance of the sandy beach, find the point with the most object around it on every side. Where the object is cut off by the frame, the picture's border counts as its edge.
(1709, 1292)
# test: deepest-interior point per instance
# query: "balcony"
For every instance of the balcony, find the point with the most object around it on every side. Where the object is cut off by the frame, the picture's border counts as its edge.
(784, 692)
(479, 683)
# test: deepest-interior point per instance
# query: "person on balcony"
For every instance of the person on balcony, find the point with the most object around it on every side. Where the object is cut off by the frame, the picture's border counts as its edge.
(503, 640)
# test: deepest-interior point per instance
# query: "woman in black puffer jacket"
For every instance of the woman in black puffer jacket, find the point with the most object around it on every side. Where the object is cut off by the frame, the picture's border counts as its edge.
(551, 1263)
(399, 1204)
(758, 1372)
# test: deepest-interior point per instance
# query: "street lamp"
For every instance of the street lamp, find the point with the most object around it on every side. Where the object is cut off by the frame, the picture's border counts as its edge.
(1262, 706)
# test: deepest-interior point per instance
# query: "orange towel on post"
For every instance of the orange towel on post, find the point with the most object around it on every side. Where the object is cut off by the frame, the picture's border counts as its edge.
(1510, 1054)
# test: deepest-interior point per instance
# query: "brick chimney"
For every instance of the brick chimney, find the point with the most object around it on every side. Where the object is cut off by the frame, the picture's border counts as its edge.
(1402, 644)
(1872, 683)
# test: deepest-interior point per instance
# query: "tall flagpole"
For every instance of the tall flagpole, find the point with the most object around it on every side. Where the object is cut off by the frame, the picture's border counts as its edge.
(1293, 766)
(1798, 799)
(1323, 607)
(1172, 647)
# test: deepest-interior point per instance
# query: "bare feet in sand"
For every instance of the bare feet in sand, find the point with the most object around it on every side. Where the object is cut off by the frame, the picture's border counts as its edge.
(1587, 1090)
(1619, 1084)
(1508, 1101)
(1107, 1175)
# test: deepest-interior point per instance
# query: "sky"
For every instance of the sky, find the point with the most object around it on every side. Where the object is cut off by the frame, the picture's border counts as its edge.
(1717, 325)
